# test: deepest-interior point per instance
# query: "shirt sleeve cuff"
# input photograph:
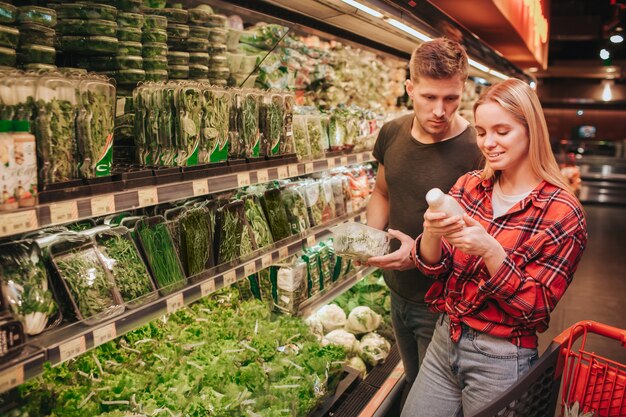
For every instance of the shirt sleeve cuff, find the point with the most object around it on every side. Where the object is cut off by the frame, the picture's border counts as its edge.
(505, 282)
(435, 269)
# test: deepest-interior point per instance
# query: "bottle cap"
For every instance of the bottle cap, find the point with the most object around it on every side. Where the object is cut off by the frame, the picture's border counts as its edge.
(5, 126)
(433, 195)
(21, 126)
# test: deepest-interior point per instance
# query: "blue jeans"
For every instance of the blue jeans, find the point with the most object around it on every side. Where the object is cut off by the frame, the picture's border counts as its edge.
(413, 326)
(458, 379)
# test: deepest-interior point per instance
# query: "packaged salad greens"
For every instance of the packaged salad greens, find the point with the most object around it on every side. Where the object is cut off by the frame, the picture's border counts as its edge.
(111, 63)
(289, 283)
(9, 37)
(37, 15)
(288, 145)
(129, 34)
(37, 35)
(155, 63)
(357, 241)
(133, 20)
(129, 76)
(130, 48)
(36, 54)
(154, 49)
(173, 15)
(214, 137)
(274, 208)
(199, 58)
(217, 21)
(92, 45)
(197, 45)
(154, 35)
(154, 22)
(25, 286)
(314, 276)
(121, 257)
(318, 141)
(177, 58)
(271, 119)
(199, 16)
(198, 72)
(257, 221)
(179, 31)
(157, 75)
(296, 209)
(86, 11)
(315, 202)
(248, 124)
(189, 120)
(8, 57)
(300, 137)
(196, 237)
(91, 289)
(199, 32)
(218, 35)
(8, 13)
(133, 6)
(86, 27)
(229, 226)
(158, 249)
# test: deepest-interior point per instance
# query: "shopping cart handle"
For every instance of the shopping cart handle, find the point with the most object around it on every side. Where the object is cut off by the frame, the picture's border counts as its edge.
(582, 327)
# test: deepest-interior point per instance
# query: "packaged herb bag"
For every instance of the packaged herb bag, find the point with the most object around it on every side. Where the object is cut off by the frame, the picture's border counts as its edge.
(24, 283)
(288, 145)
(196, 236)
(358, 241)
(189, 104)
(214, 127)
(274, 209)
(314, 276)
(229, 229)
(295, 206)
(289, 285)
(338, 196)
(257, 221)
(315, 202)
(300, 137)
(121, 257)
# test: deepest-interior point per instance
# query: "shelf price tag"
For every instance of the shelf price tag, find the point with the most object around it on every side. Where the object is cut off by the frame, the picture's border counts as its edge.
(359, 158)
(73, 348)
(344, 160)
(262, 176)
(310, 241)
(230, 278)
(249, 268)
(331, 163)
(283, 252)
(243, 179)
(293, 170)
(207, 288)
(200, 187)
(308, 167)
(11, 378)
(175, 303)
(63, 212)
(102, 205)
(19, 222)
(147, 196)
(283, 172)
(104, 334)
(266, 261)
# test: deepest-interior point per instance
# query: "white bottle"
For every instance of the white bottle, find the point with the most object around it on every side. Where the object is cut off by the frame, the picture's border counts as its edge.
(439, 201)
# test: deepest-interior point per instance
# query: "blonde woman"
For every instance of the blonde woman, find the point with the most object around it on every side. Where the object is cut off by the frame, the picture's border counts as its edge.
(502, 268)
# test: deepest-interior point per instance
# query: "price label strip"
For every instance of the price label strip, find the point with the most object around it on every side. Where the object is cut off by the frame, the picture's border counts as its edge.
(175, 303)
(207, 288)
(148, 196)
(230, 278)
(283, 172)
(63, 212)
(104, 334)
(11, 378)
(249, 268)
(73, 348)
(102, 205)
(243, 179)
(308, 167)
(266, 261)
(20, 222)
(200, 187)
(262, 176)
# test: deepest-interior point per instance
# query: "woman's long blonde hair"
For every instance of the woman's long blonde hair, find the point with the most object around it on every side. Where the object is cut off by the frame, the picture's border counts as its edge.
(516, 97)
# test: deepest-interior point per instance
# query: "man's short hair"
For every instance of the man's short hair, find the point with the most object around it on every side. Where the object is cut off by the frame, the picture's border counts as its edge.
(440, 58)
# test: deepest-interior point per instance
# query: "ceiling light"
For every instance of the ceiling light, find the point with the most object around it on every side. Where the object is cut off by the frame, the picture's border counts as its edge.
(498, 74)
(580, 112)
(478, 65)
(533, 69)
(611, 69)
(409, 30)
(364, 8)
(617, 38)
(604, 54)
(607, 94)
(533, 85)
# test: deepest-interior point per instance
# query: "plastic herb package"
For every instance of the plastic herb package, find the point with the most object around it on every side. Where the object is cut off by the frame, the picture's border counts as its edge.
(358, 241)
(8, 13)
(95, 127)
(326, 264)
(121, 257)
(25, 289)
(91, 289)
(329, 203)
(129, 34)
(295, 206)
(85, 27)
(288, 145)
(215, 125)
(318, 141)
(158, 248)
(236, 148)
(38, 15)
(196, 240)
(86, 11)
(315, 202)
(188, 119)
(248, 125)
(300, 137)
(271, 119)
(338, 195)
(154, 22)
(229, 229)
(314, 276)
(36, 34)
(257, 221)
(289, 282)
(274, 208)
(9, 37)
(173, 226)
(173, 15)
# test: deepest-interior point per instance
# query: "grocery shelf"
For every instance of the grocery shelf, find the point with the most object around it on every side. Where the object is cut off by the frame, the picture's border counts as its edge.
(60, 345)
(66, 211)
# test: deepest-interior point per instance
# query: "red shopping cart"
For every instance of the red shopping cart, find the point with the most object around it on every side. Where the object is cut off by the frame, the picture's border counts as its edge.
(597, 384)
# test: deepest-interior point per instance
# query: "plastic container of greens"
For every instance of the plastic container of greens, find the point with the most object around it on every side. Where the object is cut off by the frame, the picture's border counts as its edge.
(219, 72)
(197, 45)
(198, 58)
(129, 34)
(357, 241)
(9, 37)
(157, 63)
(176, 30)
(199, 32)
(154, 22)
(40, 67)
(129, 76)
(133, 20)
(248, 63)
(89, 286)
(86, 27)
(159, 252)
(217, 21)
(154, 49)
(220, 61)
(8, 13)
(199, 16)
(173, 15)
(274, 209)
(89, 45)
(154, 35)
(133, 6)
(229, 224)
(217, 49)
(198, 71)
(257, 221)
(157, 75)
(26, 289)
(130, 48)
(36, 35)
(119, 62)
(37, 15)
(36, 54)
(232, 39)
(177, 58)
(196, 240)
(218, 35)
(121, 257)
(86, 11)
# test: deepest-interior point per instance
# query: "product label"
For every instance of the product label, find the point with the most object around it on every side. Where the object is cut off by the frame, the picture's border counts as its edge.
(102, 205)
(249, 268)
(283, 172)
(20, 222)
(262, 176)
(230, 278)
(310, 241)
(308, 167)
(104, 334)
(11, 378)
(25, 172)
(63, 212)
(72, 348)
(243, 179)
(200, 187)
(207, 288)
(192, 158)
(175, 303)
(105, 160)
(266, 261)
(147, 196)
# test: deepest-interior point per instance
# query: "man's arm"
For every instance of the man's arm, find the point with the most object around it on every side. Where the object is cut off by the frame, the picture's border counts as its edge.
(378, 206)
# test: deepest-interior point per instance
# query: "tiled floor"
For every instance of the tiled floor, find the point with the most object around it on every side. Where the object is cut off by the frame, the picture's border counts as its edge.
(598, 291)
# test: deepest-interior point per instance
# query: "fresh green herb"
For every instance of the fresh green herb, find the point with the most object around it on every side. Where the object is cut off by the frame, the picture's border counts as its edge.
(295, 206)
(196, 240)
(276, 215)
(249, 129)
(95, 127)
(56, 139)
(231, 231)
(303, 149)
(258, 222)
(315, 136)
(162, 257)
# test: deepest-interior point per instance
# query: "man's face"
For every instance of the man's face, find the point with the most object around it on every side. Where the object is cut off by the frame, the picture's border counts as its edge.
(435, 102)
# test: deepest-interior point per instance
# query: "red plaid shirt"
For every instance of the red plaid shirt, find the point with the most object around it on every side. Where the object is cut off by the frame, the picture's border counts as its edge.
(544, 236)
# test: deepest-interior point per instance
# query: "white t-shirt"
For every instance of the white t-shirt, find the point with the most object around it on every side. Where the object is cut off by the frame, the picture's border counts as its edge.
(502, 202)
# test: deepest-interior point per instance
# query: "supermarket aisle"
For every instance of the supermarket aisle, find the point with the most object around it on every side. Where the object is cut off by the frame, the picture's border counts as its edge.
(598, 291)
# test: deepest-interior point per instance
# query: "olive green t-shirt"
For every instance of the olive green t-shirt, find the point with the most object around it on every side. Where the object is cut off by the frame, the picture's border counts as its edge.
(412, 168)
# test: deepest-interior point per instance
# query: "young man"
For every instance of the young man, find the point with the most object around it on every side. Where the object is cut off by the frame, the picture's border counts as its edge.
(431, 148)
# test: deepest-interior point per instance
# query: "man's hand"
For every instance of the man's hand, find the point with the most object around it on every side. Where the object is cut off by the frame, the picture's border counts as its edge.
(398, 260)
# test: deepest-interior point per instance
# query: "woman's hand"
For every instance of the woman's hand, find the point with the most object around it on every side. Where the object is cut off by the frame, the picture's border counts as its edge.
(438, 224)
(398, 260)
(473, 239)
